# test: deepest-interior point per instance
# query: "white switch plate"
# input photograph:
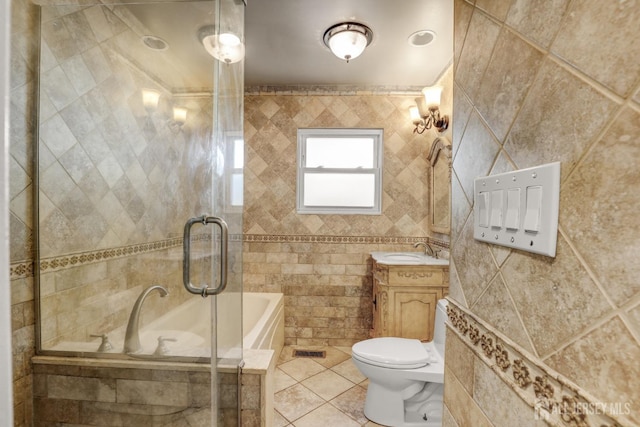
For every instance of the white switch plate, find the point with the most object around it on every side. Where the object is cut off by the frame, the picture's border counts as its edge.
(498, 221)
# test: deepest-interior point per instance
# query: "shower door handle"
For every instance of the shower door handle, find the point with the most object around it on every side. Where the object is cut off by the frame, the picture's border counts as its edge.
(186, 255)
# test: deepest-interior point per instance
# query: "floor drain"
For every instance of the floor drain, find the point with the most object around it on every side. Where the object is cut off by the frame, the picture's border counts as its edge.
(309, 353)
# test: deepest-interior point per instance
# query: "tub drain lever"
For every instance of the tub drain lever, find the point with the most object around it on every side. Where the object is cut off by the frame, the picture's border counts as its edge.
(105, 345)
(162, 348)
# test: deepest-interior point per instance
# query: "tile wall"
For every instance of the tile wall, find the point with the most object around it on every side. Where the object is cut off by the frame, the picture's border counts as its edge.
(115, 178)
(321, 262)
(23, 122)
(69, 392)
(538, 82)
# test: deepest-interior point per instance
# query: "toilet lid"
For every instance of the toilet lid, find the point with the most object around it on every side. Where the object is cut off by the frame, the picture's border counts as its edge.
(390, 352)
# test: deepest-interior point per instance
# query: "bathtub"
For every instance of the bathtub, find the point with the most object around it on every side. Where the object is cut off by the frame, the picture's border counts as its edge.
(186, 329)
(149, 377)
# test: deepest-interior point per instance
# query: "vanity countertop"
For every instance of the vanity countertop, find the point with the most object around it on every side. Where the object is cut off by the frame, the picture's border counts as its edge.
(407, 258)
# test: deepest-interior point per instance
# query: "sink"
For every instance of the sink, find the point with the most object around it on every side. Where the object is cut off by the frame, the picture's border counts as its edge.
(403, 257)
(407, 258)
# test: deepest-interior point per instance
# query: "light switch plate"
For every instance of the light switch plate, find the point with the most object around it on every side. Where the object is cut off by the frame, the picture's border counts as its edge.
(538, 190)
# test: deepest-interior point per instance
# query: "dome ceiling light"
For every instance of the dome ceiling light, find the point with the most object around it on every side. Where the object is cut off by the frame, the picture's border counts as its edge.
(348, 40)
(225, 47)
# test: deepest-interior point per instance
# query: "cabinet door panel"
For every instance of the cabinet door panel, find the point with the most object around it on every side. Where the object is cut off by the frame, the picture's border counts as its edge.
(414, 313)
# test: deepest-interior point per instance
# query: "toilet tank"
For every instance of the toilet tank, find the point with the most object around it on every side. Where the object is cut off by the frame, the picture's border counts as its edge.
(441, 317)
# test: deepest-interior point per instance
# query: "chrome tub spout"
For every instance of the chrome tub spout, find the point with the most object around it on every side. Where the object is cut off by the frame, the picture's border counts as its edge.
(132, 338)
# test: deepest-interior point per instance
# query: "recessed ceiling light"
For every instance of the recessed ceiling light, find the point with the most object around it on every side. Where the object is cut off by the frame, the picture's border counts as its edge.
(421, 38)
(155, 43)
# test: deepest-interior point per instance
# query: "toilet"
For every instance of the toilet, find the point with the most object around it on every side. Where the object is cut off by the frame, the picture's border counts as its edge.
(405, 377)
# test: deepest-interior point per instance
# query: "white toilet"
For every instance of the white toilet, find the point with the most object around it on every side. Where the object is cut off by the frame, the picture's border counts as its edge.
(405, 377)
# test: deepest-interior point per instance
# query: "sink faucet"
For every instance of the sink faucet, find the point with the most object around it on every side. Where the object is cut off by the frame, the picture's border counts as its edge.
(131, 338)
(428, 250)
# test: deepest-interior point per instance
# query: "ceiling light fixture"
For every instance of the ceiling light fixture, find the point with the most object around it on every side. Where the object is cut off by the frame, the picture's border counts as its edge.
(348, 40)
(426, 113)
(155, 43)
(421, 38)
(225, 47)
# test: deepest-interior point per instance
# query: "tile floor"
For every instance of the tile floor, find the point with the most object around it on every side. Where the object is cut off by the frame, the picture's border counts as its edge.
(312, 392)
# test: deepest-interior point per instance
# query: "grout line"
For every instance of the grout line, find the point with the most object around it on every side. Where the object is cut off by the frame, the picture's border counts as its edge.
(292, 422)
(518, 315)
(464, 297)
(584, 264)
(589, 149)
(577, 337)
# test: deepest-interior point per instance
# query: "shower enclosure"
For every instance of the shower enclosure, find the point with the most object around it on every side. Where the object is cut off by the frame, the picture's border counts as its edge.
(140, 130)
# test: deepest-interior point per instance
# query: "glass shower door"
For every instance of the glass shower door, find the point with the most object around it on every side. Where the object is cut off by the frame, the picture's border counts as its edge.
(140, 129)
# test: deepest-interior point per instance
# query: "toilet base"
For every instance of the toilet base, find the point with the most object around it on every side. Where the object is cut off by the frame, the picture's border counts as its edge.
(422, 409)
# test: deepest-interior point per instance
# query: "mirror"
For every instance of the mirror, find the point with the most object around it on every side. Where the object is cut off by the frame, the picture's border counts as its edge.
(440, 194)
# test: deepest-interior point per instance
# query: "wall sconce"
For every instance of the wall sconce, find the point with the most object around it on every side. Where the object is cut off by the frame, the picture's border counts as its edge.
(179, 116)
(426, 113)
(225, 47)
(150, 100)
(348, 40)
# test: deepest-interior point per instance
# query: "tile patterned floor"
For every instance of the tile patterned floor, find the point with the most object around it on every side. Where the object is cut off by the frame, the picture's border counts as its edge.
(314, 392)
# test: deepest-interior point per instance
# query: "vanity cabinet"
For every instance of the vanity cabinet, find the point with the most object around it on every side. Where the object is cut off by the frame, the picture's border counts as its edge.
(405, 298)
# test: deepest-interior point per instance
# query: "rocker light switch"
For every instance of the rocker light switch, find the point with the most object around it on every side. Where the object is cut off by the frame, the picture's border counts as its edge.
(519, 209)
(483, 209)
(532, 213)
(496, 208)
(512, 221)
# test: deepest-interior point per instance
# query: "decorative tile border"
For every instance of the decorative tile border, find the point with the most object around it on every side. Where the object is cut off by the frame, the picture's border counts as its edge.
(21, 270)
(301, 238)
(75, 260)
(338, 90)
(25, 269)
(551, 396)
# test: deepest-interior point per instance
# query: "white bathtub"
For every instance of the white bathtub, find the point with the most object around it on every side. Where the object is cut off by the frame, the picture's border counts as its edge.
(189, 325)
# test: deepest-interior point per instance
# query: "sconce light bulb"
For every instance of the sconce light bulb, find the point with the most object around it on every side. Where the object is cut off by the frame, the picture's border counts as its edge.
(432, 96)
(179, 115)
(150, 99)
(414, 112)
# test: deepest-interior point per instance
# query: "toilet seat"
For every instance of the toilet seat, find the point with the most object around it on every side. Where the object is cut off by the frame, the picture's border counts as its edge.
(392, 353)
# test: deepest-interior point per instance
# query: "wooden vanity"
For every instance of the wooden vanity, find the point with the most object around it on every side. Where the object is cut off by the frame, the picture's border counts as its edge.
(405, 298)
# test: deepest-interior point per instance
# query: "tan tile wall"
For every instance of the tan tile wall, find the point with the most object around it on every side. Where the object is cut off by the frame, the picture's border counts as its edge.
(111, 173)
(327, 287)
(321, 262)
(534, 85)
(88, 392)
(23, 120)
(71, 310)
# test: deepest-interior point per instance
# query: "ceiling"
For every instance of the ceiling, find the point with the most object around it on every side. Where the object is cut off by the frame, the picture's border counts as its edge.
(284, 42)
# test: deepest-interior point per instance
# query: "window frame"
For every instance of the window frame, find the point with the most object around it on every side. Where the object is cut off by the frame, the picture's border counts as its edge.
(230, 170)
(377, 170)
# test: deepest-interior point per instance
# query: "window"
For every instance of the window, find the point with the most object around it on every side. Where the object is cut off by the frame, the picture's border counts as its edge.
(234, 170)
(339, 171)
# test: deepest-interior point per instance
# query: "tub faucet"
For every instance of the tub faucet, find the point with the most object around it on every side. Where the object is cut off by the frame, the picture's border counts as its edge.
(131, 338)
(428, 250)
